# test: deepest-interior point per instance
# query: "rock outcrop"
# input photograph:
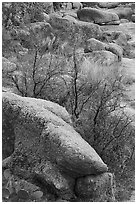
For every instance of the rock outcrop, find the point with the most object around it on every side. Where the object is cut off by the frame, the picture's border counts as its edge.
(46, 145)
(97, 16)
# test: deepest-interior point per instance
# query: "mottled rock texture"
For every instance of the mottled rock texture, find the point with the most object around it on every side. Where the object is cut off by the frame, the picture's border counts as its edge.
(96, 188)
(46, 144)
(67, 29)
(95, 45)
(97, 16)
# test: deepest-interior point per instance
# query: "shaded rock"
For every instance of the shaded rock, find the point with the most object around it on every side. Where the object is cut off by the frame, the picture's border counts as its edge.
(133, 18)
(112, 23)
(61, 183)
(97, 16)
(45, 144)
(115, 49)
(108, 4)
(96, 188)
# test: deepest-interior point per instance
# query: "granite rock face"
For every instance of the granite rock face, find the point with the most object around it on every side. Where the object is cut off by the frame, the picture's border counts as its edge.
(46, 144)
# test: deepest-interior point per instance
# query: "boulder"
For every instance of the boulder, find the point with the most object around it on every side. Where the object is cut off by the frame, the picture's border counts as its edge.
(68, 6)
(96, 188)
(108, 4)
(48, 7)
(115, 49)
(96, 45)
(46, 145)
(77, 5)
(67, 28)
(97, 16)
(41, 27)
(122, 12)
(93, 44)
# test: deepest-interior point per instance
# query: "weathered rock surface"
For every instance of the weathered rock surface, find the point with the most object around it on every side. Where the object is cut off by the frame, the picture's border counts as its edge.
(96, 188)
(122, 12)
(93, 44)
(46, 144)
(96, 45)
(108, 4)
(115, 49)
(97, 16)
(67, 28)
(124, 36)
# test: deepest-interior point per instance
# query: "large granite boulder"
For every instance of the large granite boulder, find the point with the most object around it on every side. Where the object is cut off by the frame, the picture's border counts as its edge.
(97, 16)
(46, 145)
(96, 188)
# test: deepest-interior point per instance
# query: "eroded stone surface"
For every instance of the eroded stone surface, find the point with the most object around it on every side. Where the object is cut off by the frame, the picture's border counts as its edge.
(44, 136)
(97, 16)
(96, 188)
